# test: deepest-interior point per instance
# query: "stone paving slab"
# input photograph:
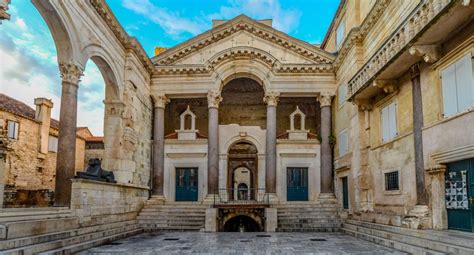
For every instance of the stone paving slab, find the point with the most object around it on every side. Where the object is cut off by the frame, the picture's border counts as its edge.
(241, 243)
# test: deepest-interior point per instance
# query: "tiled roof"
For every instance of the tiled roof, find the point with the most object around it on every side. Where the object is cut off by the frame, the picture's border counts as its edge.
(175, 136)
(95, 139)
(14, 106)
(285, 135)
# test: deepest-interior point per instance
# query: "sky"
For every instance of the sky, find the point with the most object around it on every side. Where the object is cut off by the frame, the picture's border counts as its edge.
(28, 64)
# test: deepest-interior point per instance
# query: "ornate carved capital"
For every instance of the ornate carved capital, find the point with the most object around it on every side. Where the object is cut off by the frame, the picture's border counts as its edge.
(325, 98)
(388, 86)
(214, 98)
(70, 73)
(160, 101)
(271, 98)
(429, 53)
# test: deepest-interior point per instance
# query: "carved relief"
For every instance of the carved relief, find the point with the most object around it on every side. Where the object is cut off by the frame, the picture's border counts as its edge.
(388, 86)
(70, 73)
(271, 98)
(214, 98)
(429, 53)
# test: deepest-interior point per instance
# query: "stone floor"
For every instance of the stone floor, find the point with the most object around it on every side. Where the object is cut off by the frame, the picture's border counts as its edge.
(241, 243)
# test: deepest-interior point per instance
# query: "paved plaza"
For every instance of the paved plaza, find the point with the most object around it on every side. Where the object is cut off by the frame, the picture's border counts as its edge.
(241, 243)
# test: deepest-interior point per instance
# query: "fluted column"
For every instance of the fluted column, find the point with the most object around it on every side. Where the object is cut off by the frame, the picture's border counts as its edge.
(65, 161)
(326, 151)
(213, 100)
(271, 99)
(160, 102)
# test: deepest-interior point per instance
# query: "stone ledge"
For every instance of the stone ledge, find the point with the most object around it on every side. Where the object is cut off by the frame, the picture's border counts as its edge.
(122, 185)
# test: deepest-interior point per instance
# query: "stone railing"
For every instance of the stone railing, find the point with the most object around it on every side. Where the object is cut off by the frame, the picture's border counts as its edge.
(421, 17)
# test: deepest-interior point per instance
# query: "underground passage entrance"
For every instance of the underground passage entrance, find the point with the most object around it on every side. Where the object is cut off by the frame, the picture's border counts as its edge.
(241, 220)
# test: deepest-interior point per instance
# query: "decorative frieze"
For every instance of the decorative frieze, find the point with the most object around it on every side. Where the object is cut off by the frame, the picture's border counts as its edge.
(271, 98)
(70, 73)
(406, 34)
(214, 98)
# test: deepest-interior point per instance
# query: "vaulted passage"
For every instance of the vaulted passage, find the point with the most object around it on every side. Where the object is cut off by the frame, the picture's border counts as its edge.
(241, 223)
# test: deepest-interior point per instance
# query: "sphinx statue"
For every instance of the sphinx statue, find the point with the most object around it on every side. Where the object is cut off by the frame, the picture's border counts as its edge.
(95, 172)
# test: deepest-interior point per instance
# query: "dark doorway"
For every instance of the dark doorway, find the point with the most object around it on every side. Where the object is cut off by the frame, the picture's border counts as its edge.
(186, 184)
(297, 184)
(242, 170)
(241, 223)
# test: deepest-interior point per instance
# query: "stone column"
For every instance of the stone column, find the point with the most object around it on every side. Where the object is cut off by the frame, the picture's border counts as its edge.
(160, 102)
(213, 100)
(65, 161)
(422, 198)
(326, 151)
(271, 99)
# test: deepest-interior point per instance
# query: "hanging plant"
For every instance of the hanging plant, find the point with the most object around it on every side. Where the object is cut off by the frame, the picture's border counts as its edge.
(332, 141)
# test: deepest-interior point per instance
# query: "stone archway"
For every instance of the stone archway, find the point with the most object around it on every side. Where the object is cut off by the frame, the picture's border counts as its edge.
(242, 169)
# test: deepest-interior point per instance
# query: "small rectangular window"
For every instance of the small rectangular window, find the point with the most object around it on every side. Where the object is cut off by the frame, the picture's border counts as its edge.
(389, 122)
(343, 142)
(342, 91)
(53, 144)
(392, 181)
(13, 128)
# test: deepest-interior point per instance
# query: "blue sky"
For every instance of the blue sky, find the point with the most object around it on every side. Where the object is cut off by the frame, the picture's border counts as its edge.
(28, 56)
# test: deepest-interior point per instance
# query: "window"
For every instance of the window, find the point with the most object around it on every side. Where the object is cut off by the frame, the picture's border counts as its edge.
(53, 144)
(389, 122)
(392, 181)
(343, 142)
(345, 193)
(340, 34)
(458, 86)
(342, 91)
(13, 128)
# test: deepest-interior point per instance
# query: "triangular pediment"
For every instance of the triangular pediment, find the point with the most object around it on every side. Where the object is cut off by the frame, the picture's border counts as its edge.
(244, 36)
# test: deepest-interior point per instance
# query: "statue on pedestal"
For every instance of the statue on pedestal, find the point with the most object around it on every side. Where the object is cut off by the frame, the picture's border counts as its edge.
(95, 172)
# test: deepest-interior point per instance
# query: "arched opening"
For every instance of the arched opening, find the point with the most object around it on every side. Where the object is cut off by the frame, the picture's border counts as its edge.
(241, 223)
(242, 103)
(242, 170)
(297, 121)
(188, 122)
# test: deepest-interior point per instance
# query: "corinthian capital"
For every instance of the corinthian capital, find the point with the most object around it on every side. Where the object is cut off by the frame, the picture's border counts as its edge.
(70, 73)
(271, 98)
(160, 101)
(213, 99)
(325, 98)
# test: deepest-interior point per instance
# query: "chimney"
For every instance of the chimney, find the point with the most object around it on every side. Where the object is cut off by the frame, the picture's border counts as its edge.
(43, 116)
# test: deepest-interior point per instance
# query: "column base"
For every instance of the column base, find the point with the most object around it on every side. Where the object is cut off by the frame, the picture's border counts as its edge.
(418, 218)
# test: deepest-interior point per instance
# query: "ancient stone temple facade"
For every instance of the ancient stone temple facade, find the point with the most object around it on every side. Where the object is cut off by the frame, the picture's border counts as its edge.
(245, 128)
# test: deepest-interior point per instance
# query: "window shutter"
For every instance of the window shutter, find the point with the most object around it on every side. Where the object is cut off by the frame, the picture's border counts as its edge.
(11, 129)
(448, 79)
(385, 124)
(464, 83)
(343, 142)
(392, 108)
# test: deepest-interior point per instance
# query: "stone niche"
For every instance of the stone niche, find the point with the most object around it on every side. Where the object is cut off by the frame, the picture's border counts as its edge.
(184, 132)
(297, 133)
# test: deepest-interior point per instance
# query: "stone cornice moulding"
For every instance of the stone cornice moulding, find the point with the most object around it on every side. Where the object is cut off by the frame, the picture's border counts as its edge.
(243, 23)
(243, 52)
(358, 34)
(421, 17)
(129, 43)
(460, 153)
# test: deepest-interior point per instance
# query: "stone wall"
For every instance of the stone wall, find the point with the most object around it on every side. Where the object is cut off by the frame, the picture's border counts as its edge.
(96, 202)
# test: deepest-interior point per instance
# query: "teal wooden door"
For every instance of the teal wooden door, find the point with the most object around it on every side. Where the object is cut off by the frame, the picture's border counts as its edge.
(345, 193)
(297, 184)
(460, 194)
(186, 184)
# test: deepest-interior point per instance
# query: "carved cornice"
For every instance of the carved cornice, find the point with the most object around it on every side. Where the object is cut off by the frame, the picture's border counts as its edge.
(388, 86)
(421, 17)
(214, 98)
(271, 98)
(70, 73)
(363, 104)
(358, 34)
(243, 52)
(160, 101)
(429, 53)
(129, 43)
(325, 98)
(243, 23)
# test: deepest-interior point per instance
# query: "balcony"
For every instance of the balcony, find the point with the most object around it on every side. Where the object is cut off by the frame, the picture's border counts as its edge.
(241, 198)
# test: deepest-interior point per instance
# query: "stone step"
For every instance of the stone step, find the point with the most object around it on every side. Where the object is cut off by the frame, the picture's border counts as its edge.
(18, 229)
(172, 222)
(152, 227)
(302, 224)
(420, 241)
(76, 248)
(412, 249)
(26, 241)
(452, 237)
(61, 244)
(176, 217)
(150, 210)
(310, 229)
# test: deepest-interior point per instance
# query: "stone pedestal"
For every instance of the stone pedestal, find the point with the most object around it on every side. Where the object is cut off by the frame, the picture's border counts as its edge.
(271, 219)
(439, 215)
(211, 219)
(418, 218)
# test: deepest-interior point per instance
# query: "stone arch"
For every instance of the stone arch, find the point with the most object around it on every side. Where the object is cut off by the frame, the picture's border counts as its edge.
(249, 139)
(230, 217)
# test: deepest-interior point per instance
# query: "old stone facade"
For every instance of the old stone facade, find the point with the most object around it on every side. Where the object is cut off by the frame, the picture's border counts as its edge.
(30, 164)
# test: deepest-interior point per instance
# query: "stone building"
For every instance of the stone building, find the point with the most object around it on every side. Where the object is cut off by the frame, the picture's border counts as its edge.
(30, 167)
(246, 127)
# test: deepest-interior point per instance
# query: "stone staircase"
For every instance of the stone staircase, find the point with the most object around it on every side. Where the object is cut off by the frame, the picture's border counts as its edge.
(305, 217)
(411, 240)
(53, 231)
(156, 216)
